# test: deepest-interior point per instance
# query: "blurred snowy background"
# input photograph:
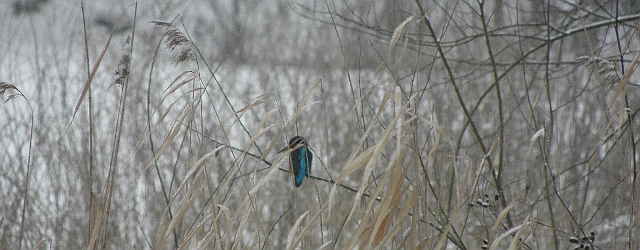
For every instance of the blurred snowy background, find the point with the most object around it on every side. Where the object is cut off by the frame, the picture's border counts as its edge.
(551, 133)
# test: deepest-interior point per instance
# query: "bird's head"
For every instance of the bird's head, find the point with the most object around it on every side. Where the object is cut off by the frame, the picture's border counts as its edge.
(296, 141)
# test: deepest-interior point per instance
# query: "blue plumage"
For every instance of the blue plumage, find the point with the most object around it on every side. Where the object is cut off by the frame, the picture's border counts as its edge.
(300, 159)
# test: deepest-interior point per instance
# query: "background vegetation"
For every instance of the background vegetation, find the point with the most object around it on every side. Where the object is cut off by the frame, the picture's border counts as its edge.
(434, 124)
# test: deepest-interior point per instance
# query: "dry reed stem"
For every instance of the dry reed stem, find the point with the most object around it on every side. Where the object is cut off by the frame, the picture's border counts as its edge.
(15, 92)
(87, 84)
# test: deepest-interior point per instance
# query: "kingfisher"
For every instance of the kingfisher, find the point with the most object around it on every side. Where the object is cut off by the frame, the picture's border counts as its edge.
(300, 159)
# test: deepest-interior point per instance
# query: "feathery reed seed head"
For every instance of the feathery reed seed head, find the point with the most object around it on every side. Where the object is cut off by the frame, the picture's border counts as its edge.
(176, 38)
(124, 64)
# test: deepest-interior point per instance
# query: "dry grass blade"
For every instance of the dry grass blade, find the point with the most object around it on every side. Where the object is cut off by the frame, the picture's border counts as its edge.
(242, 209)
(397, 34)
(172, 88)
(355, 164)
(180, 84)
(180, 213)
(172, 134)
(390, 131)
(502, 215)
(533, 139)
(309, 225)
(270, 172)
(508, 233)
(304, 100)
(440, 131)
(96, 219)
(259, 132)
(223, 210)
(243, 222)
(623, 83)
(87, 83)
(195, 168)
(445, 232)
(195, 232)
(169, 89)
(461, 186)
(255, 102)
(380, 109)
(409, 204)
(190, 191)
(325, 245)
(292, 232)
(517, 241)
(369, 169)
(392, 197)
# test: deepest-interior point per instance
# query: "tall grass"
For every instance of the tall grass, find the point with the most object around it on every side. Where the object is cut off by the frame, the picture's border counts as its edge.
(445, 142)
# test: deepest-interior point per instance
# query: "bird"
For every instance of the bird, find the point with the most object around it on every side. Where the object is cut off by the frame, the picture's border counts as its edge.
(300, 159)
